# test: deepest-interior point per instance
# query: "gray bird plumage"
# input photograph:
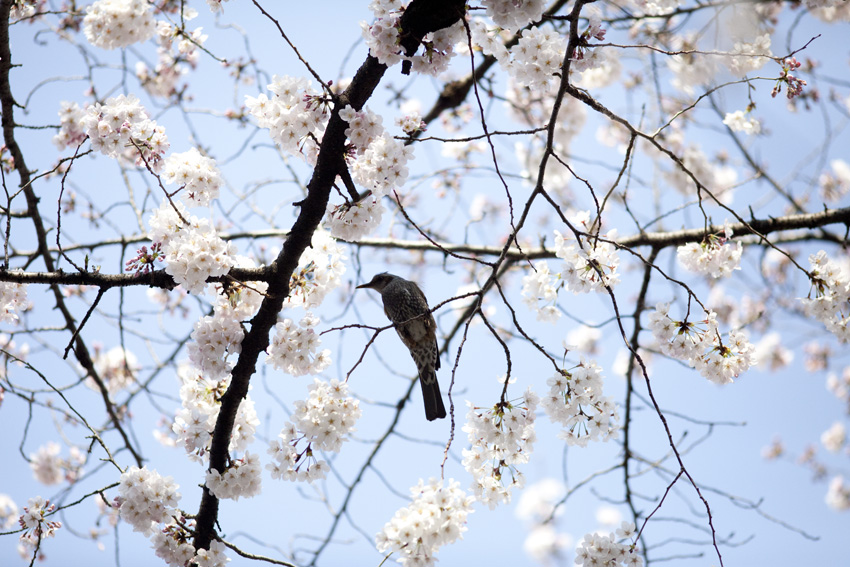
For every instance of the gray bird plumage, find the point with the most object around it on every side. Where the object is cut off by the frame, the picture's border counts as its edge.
(406, 306)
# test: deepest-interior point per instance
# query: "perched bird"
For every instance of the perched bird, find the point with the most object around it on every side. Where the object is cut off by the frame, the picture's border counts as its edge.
(406, 306)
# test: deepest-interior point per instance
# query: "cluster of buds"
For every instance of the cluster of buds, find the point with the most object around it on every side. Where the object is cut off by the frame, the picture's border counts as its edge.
(594, 31)
(143, 262)
(795, 85)
(318, 101)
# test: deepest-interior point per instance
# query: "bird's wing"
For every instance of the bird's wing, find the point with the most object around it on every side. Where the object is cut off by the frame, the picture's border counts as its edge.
(429, 322)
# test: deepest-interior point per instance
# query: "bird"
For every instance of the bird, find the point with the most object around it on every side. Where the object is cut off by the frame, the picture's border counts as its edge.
(405, 305)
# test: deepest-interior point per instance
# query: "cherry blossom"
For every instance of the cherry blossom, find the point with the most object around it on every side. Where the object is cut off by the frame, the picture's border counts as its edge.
(501, 438)
(13, 299)
(436, 517)
(575, 401)
(118, 23)
(196, 174)
(120, 128)
(293, 348)
(321, 423)
(146, 499)
(34, 523)
(699, 343)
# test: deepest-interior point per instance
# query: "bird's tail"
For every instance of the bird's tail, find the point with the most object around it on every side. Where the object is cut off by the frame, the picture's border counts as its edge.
(434, 408)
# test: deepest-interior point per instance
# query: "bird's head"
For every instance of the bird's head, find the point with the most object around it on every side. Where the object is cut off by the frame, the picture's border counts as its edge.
(379, 282)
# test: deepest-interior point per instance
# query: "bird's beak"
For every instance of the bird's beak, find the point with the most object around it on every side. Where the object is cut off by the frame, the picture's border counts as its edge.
(365, 285)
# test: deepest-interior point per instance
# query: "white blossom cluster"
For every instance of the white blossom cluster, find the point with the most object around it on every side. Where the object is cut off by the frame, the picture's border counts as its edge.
(590, 264)
(46, 464)
(241, 299)
(501, 437)
(121, 129)
(196, 174)
(738, 122)
(489, 40)
(243, 477)
(699, 344)
(601, 69)
(411, 123)
(111, 24)
(839, 386)
(831, 302)
(538, 506)
(382, 35)
(294, 345)
(216, 5)
(379, 165)
(585, 57)
(532, 108)
(146, 499)
(603, 550)
(834, 186)
(838, 494)
(537, 503)
(319, 272)
(576, 402)
(48, 467)
(21, 9)
(830, 10)
(833, 439)
(195, 420)
(13, 298)
(716, 256)
(382, 166)
(35, 524)
(718, 179)
(748, 57)
(771, 354)
(170, 544)
(690, 70)
(193, 250)
(814, 4)
(215, 337)
(382, 8)
(8, 512)
(583, 339)
(540, 291)
(296, 115)
(321, 423)
(656, 7)
(363, 127)
(116, 368)
(536, 58)
(514, 15)
(163, 79)
(436, 517)
(71, 131)
(214, 556)
(546, 545)
(439, 50)
(12, 351)
(352, 221)
(382, 38)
